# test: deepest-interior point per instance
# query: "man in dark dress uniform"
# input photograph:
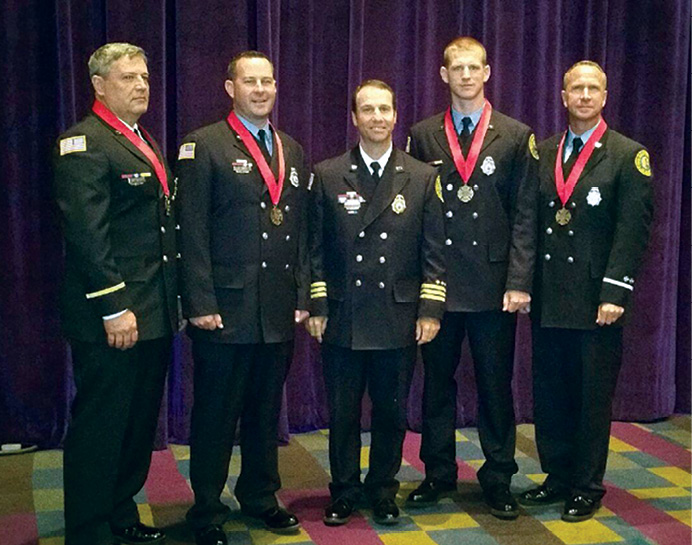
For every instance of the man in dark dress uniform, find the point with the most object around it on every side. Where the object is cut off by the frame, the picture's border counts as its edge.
(595, 213)
(376, 235)
(488, 166)
(115, 196)
(243, 203)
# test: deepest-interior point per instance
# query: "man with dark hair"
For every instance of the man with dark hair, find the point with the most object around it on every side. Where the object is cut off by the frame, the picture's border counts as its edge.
(243, 202)
(115, 195)
(376, 233)
(595, 212)
(487, 162)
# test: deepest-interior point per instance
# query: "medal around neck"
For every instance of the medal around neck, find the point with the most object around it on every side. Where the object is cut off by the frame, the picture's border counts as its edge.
(465, 193)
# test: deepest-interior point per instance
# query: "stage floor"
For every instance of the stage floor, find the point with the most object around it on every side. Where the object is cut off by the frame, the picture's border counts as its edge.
(648, 500)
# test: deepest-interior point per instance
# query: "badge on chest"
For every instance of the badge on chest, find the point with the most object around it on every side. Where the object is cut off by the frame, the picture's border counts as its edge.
(351, 201)
(137, 178)
(242, 166)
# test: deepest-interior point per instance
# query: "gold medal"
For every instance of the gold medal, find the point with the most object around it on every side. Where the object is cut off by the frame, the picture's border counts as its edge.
(276, 216)
(563, 216)
(465, 193)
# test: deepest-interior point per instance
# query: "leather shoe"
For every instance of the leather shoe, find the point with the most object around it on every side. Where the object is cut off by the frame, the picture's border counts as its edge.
(501, 502)
(385, 512)
(430, 491)
(211, 535)
(542, 495)
(579, 508)
(139, 533)
(338, 512)
(278, 520)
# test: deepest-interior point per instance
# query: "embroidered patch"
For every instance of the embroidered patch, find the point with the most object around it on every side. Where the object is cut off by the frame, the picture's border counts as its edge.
(399, 204)
(73, 144)
(187, 151)
(594, 197)
(438, 188)
(532, 146)
(242, 166)
(293, 177)
(641, 161)
(488, 166)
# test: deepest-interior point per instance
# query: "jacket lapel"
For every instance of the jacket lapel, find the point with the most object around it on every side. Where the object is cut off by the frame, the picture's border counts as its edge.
(392, 182)
(599, 152)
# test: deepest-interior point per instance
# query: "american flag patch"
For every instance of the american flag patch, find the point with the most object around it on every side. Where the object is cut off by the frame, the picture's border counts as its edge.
(72, 144)
(187, 151)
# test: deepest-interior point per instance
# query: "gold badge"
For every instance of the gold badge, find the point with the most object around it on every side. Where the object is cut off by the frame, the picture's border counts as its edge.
(532, 146)
(276, 216)
(399, 204)
(73, 144)
(438, 188)
(465, 193)
(563, 216)
(641, 161)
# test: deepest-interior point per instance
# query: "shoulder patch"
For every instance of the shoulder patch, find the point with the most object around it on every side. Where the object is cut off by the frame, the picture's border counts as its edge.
(187, 151)
(408, 144)
(438, 188)
(73, 144)
(532, 146)
(641, 161)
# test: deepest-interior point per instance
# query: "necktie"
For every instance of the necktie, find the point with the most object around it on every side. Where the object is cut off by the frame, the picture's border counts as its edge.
(375, 166)
(465, 134)
(262, 137)
(577, 144)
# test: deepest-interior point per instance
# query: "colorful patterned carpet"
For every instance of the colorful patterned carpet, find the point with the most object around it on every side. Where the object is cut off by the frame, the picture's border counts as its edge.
(648, 500)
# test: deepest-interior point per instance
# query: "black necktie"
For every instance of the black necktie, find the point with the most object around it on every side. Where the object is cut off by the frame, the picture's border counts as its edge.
(375, 166)
(577, 144)
(465, 134)
(262, 138)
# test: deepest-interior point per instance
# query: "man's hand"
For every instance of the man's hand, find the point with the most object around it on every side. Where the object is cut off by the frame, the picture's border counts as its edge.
(300, 316)
(515, 300)
(426, 329)
(316, 326)
(210, 322)
(122, 331)
(609, 313)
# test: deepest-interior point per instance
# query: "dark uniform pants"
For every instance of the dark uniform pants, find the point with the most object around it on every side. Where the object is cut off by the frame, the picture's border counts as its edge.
(574, 378)
(232, 382)
(491, 339)
(110, 436)
(387, 375)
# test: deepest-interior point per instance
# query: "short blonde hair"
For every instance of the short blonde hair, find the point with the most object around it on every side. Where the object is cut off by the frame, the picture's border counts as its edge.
(592, 64)
(464, 43)
(103, 58)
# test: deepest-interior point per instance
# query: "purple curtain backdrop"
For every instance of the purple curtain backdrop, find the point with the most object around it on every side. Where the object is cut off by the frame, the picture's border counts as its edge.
(322, 50)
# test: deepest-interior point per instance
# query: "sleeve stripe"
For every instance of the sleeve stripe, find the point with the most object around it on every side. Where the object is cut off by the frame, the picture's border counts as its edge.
(438, 290)
(318, 285)
(618, 283)
(95, 294)
(436, 285)
(433, 297)
(318, 295)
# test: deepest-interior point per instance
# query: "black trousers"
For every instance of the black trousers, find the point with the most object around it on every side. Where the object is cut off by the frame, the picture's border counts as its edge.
(236, 382)
(491, 339)
(110, 435)
(574, 377)
(387, 375)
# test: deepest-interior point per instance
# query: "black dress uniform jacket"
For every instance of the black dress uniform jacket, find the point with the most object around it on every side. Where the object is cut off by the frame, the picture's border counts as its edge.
(595, 257)
(235, 261)
(376, 265)
(120, 242)
(491, 240)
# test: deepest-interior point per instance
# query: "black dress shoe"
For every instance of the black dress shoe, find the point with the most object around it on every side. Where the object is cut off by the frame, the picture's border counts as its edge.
(278, 520)
(543, 495)
(579, 508)
(430, 491)
(501, 502)
(385, 512)
(338, 512)
(139, 533)
(211, 535)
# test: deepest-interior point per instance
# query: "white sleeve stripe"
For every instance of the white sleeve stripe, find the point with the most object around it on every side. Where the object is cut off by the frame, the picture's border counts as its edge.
(618, 283)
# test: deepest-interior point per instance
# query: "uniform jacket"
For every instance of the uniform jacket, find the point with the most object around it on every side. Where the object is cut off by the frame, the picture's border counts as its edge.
(236, 262)
(120, 243)
(596, 256)
(376, 266)
(490, 241)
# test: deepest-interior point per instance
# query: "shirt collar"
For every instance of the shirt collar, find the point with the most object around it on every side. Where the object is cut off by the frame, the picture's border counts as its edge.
(458, 116)
(254, 129)
(133, 128)
(382, 161)
(584, 136)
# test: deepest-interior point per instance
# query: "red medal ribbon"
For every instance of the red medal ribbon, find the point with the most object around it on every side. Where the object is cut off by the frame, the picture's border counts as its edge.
(102, 111)
(564, 190)
(275, 188)
(465, 166)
